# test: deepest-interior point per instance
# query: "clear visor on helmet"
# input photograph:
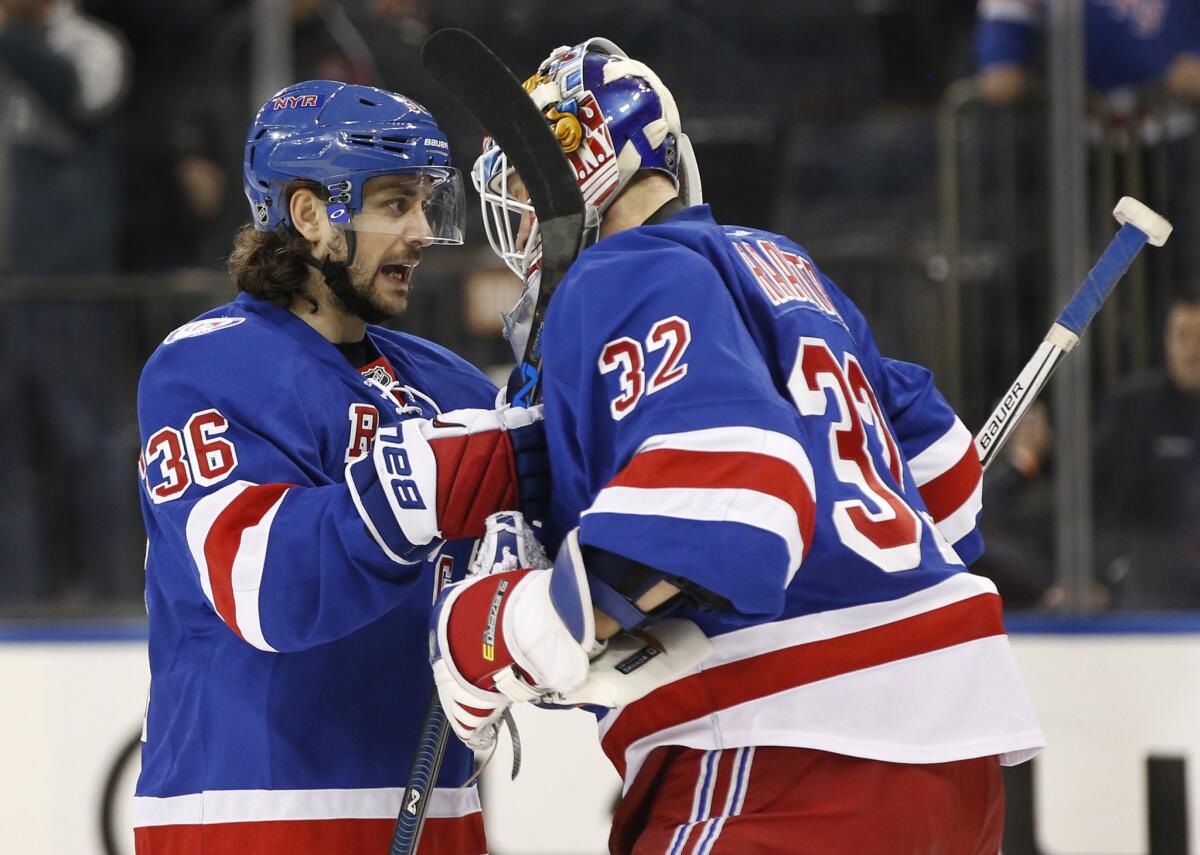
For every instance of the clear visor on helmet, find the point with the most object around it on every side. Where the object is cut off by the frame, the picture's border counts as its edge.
(427, 206)
(508, 217)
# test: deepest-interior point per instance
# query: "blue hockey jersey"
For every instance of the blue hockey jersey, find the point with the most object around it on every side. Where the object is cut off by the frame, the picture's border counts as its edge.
(716, 408)
(1128, 43)
(287, 624)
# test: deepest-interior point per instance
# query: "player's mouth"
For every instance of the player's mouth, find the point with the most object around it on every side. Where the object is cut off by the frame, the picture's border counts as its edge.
(399, 275)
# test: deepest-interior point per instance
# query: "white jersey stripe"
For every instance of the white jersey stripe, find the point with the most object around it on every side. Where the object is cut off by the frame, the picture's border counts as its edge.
(942, 454)
(747, 439)
(200, 521)
(733, 505)
(830, 715)
(814, 715)
(962, 522)
(218, 806)
(247, 577)
(777, 635)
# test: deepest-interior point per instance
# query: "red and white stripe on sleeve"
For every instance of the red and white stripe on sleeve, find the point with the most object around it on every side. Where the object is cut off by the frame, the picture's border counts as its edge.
(950, 479)
(227, 534)
(746, 475)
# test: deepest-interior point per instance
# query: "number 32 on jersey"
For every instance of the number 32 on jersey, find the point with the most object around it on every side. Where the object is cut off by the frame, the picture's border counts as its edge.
(626, 355)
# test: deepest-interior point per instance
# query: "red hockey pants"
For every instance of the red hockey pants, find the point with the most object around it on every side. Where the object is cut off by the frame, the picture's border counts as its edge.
(798, 801)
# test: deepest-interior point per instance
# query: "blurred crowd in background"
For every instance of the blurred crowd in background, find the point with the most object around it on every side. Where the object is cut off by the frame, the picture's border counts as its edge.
(901, 141)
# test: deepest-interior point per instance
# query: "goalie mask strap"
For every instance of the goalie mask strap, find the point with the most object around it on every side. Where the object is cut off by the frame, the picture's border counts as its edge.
(337, 277)
(669, 209)
(617, 583)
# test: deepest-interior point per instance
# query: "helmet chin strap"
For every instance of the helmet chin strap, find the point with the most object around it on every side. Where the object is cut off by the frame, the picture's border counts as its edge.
(337, 277)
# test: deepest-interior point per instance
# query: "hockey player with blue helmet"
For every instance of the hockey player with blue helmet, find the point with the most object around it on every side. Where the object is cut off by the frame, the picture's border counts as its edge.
(379, 167)
(308, 481)
(728, 446)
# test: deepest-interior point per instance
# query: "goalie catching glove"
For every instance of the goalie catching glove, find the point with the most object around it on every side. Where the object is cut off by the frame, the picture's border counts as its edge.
(505, 635)
(442, 477)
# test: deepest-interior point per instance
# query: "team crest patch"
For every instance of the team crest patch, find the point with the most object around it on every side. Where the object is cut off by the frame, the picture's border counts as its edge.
(202, 327)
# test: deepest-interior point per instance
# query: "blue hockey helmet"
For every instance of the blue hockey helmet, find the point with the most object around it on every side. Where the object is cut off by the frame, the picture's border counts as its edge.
(613, 117)
(339, 136)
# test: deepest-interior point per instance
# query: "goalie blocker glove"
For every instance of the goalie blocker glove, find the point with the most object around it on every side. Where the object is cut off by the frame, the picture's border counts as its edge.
(442, 477)
(512, 635)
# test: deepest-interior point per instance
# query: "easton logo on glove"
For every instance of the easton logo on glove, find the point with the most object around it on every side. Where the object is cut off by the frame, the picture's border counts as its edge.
(489, 631)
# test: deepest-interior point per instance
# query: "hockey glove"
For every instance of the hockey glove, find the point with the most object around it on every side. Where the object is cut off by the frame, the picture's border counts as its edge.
(442, 477)
(510, 635)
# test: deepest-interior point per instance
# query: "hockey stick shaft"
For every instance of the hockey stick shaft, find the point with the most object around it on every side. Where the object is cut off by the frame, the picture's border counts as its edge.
(1140, 226)
(465, 67)
(421, 780)
(483, 84)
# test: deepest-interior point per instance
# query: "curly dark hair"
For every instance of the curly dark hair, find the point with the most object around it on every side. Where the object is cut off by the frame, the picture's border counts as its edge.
(269, 265)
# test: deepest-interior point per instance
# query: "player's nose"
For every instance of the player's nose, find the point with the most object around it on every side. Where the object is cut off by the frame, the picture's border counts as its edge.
(419, 233)
(524, 229)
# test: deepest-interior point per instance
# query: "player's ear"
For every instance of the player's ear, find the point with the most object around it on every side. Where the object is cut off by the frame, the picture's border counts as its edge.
(305, 212)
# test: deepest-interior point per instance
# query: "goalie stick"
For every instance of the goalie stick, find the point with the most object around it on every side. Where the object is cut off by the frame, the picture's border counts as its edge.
(486, 87)
(483, 84)
(1139, 226)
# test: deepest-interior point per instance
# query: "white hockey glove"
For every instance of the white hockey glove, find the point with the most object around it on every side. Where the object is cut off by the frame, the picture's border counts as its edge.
(441, 477)
(510, 635)
(635, 664)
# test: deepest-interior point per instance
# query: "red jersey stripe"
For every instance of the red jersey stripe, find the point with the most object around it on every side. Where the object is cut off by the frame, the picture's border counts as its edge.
(768, 673)
(442, 836)
(762, 473)
(225, 537)
(946, 493)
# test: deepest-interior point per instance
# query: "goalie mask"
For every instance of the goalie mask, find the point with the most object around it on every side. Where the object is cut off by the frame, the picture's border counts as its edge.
(614, 118)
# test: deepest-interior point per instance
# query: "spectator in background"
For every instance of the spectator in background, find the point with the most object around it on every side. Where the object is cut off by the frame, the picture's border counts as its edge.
(1128, 44)
(218, 102)
(1148, 476)
(63, 76)
(67, 434)
(163, 38)
(1142, 143)
(1018, 525)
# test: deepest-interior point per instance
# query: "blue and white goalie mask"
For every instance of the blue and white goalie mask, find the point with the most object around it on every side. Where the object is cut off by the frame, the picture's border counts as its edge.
(614, 118)
(511, 225)
(509, 219)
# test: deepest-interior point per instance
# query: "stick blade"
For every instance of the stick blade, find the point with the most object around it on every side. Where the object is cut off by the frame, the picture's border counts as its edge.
(482, 83)
(1139, 215)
